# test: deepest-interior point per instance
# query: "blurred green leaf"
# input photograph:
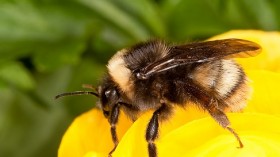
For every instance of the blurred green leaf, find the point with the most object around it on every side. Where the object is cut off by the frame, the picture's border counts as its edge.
(257, 13)
(105, 9)
(92, 74)
(146, 12)
(275, 5)
(185, 21)
(53, 83)
(26, 129)
(26, 27)
(17, 75)
(53, 57)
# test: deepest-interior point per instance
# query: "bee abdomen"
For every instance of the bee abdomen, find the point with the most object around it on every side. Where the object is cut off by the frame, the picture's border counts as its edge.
(226, 81)
(232, 86)
(238, 97)
(230, 77)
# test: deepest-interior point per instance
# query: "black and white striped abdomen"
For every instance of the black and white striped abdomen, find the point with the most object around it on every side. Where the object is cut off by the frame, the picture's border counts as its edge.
(226, 80)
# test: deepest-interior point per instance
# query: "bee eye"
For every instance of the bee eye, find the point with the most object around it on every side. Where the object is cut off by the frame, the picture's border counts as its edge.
(110, 93)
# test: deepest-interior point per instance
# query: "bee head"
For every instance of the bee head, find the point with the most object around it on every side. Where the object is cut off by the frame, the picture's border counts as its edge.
(107, 93)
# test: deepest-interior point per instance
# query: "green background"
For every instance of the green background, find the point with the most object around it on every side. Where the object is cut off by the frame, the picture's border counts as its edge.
(52, 46)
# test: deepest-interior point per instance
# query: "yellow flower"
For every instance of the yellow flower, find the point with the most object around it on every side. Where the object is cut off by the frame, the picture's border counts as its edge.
(192, 132)
(90, 132)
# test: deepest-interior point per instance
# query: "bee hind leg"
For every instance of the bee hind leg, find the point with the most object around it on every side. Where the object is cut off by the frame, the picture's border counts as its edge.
(220, 117)
(152, 130)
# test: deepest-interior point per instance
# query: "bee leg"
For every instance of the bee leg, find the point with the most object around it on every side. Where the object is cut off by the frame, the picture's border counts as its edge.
(152, 129)
(222, 119)
(113, 121)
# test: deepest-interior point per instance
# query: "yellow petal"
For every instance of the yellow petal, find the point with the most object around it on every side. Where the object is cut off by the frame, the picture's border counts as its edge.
(95, 154)
(134, 144)
(203, 137)
(265, 98)
(270, 42)
(90, 132)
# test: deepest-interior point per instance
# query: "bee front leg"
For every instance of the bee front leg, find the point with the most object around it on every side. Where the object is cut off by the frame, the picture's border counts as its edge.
(114, 117)
(152, 128)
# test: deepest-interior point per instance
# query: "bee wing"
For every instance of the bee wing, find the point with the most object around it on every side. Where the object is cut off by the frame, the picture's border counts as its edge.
(201, 52)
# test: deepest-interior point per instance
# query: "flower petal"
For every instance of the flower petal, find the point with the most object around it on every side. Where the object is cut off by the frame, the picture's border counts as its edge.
(203, 137)
(90, 132)
(265, 98)
(95, 154)
(134, 144)
(270, 42)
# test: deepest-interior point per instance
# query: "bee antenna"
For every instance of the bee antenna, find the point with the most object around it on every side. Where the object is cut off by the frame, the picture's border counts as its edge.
(77, 93)
(89, 86)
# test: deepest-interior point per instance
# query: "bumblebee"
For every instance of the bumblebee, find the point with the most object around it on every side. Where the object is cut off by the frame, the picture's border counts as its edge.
(157, 76)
